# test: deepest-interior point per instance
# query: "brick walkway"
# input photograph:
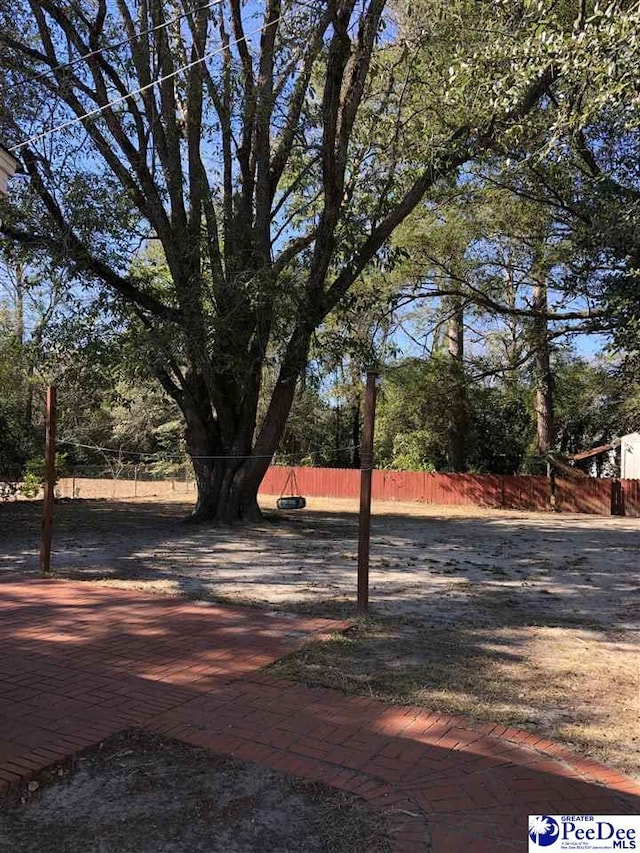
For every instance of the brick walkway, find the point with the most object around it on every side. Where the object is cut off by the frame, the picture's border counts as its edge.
(81, 662)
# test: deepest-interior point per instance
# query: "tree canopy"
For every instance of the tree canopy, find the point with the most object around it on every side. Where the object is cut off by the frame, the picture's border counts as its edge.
(269, 151)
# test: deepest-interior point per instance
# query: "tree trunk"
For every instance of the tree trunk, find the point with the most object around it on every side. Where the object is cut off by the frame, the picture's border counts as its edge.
(513, 338)
(229, 462)
(228, 489)
(355, 431)
(19, 317)
(21, 337)
(542, 374)
(458, 417)
(227, 475)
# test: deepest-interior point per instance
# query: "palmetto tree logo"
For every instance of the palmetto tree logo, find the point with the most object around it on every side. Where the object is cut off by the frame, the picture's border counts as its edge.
(543, 830)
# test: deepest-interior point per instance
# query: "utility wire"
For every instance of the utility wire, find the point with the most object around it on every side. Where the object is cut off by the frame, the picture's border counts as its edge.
(166, 456)
(152, 456)
(114, 45)
(38, 136)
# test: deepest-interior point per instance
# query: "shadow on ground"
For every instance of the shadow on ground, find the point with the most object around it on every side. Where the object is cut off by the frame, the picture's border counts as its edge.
(529, 619)
(442, 779)
(140, 793)
(435, 568)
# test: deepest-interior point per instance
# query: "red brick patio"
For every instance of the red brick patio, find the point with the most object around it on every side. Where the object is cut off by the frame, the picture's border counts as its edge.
(81, 662)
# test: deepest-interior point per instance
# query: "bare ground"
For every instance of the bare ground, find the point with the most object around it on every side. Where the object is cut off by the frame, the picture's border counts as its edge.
(139, 793)
(528, 618)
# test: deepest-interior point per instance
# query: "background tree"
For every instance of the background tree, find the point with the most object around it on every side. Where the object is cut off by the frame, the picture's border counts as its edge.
(30, 302)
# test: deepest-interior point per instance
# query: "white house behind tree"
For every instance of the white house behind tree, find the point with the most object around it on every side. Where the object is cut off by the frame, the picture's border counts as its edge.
(8, 167)
(630, 456)
(619, 458)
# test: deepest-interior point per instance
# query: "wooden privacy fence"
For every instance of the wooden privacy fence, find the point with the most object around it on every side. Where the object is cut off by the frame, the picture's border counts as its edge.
(595, 496)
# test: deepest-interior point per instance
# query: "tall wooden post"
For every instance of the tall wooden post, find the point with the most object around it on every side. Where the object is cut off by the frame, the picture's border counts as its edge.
(49, 481)
(366, 472)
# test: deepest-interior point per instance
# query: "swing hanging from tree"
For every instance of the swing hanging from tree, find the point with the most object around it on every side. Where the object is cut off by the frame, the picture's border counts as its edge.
(294, 499)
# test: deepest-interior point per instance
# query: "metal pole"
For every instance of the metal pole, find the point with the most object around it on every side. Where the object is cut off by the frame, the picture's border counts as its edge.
(49, 481)
(366, 471)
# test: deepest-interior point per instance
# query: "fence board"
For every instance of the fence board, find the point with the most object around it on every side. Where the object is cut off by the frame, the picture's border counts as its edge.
(593, 496)
(528, 493)
(588, 496)
(313, 482)
(629, 498)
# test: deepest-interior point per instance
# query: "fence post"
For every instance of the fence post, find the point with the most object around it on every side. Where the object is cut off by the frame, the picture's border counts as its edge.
(551, 476)
(366, 472)
(617, 498)
(49, 481)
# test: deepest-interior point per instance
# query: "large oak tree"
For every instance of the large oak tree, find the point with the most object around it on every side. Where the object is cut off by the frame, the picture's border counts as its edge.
(270, 148)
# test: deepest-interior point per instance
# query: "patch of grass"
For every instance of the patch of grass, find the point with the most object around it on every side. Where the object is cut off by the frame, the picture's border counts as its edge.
(538, 677)
(391, 662)
(330, 608)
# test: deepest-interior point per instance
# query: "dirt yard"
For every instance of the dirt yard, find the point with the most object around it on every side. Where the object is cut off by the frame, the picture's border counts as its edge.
(526, 618)
(143, 794)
